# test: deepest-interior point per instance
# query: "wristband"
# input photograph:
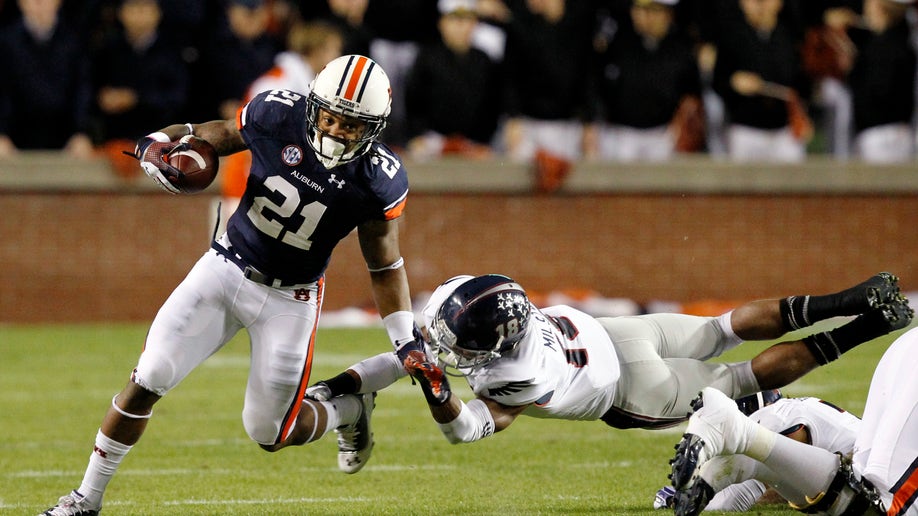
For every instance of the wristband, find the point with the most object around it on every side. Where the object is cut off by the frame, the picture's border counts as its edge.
(400, 327)
(160, 136)
(190, 129)
(397, 264)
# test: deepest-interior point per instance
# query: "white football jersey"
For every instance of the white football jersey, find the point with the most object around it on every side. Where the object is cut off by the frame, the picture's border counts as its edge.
(565, 374)
(830, 427)
(565, 366)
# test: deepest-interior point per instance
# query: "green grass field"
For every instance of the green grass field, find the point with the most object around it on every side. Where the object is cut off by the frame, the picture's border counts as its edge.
(56, 382)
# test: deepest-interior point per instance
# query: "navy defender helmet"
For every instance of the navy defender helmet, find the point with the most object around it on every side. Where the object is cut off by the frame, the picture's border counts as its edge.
(483, 318)
(753, 402)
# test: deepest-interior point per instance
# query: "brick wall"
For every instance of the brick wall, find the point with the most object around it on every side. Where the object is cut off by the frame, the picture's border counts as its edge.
(117, 256)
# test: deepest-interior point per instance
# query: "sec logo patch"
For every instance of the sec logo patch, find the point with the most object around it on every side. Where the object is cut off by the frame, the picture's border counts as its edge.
(292, 155)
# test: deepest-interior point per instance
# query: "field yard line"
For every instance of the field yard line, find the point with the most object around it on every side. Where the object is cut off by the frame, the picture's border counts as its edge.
(209, 471)
(340, 499)
(194, 501)
(602, 465)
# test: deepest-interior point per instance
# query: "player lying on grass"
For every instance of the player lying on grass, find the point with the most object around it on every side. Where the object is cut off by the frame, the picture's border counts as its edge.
(630, 372)
(737, 482)
(881, 477)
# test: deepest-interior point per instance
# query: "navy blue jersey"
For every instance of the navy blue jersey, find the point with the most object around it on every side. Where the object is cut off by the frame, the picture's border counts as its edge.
(295, 211)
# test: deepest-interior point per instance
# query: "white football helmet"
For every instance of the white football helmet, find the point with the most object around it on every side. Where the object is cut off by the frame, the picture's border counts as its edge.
(353, 86)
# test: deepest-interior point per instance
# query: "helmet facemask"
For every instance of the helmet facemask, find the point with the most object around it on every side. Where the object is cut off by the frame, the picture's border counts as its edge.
(334, 150)
(350, 86)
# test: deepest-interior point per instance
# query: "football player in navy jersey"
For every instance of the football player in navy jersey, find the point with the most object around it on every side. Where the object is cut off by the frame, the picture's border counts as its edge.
(317, 173)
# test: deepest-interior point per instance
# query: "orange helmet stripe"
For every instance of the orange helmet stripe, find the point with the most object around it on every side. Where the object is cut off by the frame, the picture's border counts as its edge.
(354, 81)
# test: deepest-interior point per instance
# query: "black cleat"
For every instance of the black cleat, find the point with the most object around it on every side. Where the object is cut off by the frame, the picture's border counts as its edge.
(693, 501)
(881, 289)
(685, 462)
(897, 313)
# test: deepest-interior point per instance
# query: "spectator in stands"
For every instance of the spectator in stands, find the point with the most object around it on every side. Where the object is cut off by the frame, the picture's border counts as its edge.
(708, 20)
(399, 28)
(452, 95)
(882, 80)
(348, 16)
(649, 89)
(240, 50)
(45, 77)
(546, 86)
(310, 46)
(188, 21)
(139, 79)
(8, 12)
(546, 61)
(759, 77)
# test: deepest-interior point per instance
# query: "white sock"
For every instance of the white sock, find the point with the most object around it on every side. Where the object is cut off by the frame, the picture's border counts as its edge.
(342, 410)
(106, 456)
(731, 339)
(744, 382)
(810, 470)
(378, 372)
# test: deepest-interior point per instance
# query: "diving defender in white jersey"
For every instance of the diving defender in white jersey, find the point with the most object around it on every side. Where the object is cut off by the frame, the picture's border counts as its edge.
(879, 478)
(317, 173)
(630, 372)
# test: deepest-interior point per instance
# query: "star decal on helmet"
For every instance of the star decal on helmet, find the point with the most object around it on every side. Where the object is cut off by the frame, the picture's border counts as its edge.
(511, 301)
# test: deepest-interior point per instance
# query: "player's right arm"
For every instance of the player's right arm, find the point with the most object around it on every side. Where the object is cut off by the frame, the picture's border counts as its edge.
(224, 135)
(463, 422)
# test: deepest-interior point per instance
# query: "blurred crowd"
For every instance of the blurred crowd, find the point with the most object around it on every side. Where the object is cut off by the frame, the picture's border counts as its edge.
(544, 81)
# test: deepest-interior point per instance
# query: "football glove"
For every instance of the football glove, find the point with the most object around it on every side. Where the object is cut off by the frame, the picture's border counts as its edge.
(151, 153)
(664, 498)
(318, 392)
(420, 364)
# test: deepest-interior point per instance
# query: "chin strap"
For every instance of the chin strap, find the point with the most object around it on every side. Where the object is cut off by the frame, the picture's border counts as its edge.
(330, 151)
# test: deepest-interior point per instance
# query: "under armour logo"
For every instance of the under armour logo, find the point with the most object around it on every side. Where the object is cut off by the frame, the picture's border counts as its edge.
(339, 182)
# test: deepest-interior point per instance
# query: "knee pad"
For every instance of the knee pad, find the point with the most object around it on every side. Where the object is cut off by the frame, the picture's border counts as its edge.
(150, 382)
(260, 427)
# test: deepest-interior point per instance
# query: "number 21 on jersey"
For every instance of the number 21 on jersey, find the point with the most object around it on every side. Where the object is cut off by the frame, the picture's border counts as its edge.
(273, 227)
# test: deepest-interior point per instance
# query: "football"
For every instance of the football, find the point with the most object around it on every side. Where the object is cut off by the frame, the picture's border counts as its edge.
(197, 160)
